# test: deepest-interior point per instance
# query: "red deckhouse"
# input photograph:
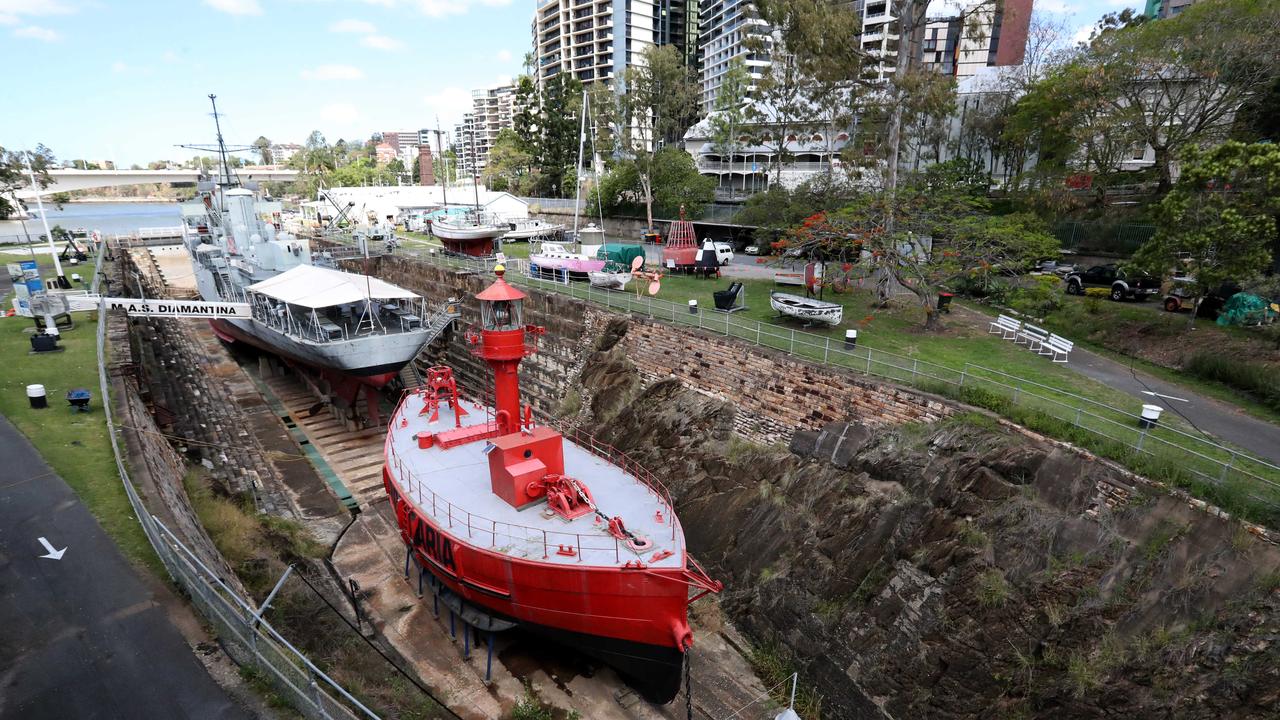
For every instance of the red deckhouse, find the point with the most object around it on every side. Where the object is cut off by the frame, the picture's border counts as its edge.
(562, 535)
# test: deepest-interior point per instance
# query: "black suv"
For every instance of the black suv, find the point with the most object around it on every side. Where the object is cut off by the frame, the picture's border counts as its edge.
(1136, 285)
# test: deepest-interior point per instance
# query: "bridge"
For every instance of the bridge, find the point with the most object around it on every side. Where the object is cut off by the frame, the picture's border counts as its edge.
(68, 179)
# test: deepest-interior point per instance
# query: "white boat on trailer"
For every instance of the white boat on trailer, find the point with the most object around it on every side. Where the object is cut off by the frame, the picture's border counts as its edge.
(807, 309)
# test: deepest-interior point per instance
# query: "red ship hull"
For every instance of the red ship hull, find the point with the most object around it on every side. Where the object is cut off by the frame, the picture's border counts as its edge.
(632, 619)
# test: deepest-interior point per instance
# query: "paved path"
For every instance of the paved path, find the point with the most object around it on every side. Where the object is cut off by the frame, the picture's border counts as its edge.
(82, 637)
(1213, 416)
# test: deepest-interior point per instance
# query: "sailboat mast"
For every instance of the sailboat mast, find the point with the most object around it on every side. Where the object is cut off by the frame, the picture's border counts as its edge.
(577, 172)
(444, 179)
(474, 184)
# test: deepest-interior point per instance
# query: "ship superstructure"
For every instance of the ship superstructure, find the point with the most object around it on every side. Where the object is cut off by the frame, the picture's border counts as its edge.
(356, 330)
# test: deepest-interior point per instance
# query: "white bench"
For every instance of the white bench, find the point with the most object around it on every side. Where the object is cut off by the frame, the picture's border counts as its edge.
(1006, 326)
(1033, 336)
(1057, 346)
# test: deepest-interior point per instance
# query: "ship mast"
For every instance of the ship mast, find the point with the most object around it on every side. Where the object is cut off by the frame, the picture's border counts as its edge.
(222, 146)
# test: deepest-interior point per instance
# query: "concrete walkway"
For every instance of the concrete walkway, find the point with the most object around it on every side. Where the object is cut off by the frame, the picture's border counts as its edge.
(1217, 418)
(82, 636)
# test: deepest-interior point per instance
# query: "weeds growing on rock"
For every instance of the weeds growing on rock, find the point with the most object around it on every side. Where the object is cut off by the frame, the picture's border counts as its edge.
(972, 536)
(529, 707)
(775, 666)
(993, 589)
(1164, 535)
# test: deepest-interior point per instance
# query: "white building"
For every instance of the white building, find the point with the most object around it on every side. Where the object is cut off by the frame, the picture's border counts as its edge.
(725, 27)
(595, 40)
(492, 111)
(373, 205)
(281, 153)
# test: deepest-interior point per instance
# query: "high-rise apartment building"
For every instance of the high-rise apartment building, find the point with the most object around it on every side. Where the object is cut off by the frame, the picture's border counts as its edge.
(991, 37)
(678, 26)
(595, 40)
(492, 110)
(723, 32)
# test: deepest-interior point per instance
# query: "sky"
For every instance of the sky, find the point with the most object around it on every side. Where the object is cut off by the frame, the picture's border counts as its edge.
(127, 81)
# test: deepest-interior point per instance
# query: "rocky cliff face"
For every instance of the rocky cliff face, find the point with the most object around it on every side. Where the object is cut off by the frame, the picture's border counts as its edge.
(957, 569)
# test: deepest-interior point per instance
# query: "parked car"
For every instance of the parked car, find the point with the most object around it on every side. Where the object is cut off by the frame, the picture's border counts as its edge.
(1122, 284)
(724, 252)
(752, 250)
(1181, 291)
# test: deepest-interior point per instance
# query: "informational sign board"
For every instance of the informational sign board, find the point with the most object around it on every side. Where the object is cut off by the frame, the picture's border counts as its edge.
(31, 276)
(137, 307)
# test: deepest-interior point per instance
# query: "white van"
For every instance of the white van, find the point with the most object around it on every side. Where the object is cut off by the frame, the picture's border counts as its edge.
(724, 252)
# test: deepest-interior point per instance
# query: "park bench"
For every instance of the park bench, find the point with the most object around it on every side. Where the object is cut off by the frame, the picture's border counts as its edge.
(1032, 336)
(1006, 326)
(1057, 346)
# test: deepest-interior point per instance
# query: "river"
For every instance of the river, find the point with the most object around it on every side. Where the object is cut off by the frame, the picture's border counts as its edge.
(108, 217)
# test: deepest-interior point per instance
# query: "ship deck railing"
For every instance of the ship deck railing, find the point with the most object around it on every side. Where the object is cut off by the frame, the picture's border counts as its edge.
(504, 537)
(321, 326)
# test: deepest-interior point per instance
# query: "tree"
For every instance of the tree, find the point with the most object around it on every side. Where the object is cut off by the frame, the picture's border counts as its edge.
(730, 110)
(928, 233)
(1179, 82)
(528, 113)
(14, 176)
(510, 164)
(658, 104)
(675, 183)
(1219, 221)
(558, 124)
(263, 146)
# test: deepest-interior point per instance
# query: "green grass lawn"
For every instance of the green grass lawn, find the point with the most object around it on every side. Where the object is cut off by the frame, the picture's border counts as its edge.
(75, 444)
(1079, 316)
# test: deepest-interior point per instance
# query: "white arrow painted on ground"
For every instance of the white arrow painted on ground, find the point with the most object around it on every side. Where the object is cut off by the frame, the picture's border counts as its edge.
(1167, 397)
(53, 554)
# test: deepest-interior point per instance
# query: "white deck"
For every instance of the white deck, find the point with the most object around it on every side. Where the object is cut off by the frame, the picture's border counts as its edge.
(453, 487)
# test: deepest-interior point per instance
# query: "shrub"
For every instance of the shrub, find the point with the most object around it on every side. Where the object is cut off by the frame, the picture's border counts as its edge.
(1097, 292)
(1259, 380)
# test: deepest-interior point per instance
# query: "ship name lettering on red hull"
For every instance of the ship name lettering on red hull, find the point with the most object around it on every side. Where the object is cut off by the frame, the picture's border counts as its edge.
(435, 544)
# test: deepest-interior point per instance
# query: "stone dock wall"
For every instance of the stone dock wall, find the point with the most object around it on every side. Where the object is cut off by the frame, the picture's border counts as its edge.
(775, 394)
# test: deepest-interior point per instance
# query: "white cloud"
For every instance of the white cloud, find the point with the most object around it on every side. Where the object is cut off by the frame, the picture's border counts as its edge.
(343, 114)
(13, 8)
(504, 55)
(118, 67)
(1057, 7)
(8, 19)
(448, 105)
(236, 7)
(442, 8)
(333, 72)
(381, 42)
(495, 3)
(35, 32)
(353, 26)
(1082, 34)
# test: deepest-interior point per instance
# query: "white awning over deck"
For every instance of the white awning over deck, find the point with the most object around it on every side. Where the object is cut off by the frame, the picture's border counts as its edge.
(315, 287)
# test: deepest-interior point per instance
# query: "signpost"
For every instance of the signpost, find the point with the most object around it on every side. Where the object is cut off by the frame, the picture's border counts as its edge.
(140, 307)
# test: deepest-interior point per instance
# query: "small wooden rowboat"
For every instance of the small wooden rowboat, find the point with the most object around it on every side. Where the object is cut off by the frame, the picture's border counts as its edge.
(609, 280)
(806, 309)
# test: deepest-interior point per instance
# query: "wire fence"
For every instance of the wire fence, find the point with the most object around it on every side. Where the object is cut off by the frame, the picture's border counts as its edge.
(251, 641)
(1103, 238)
(1198, 457)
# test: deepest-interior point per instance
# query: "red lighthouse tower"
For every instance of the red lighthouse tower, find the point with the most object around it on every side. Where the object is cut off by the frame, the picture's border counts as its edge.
(502, 344)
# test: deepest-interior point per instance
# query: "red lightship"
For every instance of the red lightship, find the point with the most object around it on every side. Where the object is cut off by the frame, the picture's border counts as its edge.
(561, 535)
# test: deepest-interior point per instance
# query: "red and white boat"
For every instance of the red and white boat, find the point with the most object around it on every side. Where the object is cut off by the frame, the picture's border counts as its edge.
(550, 530)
